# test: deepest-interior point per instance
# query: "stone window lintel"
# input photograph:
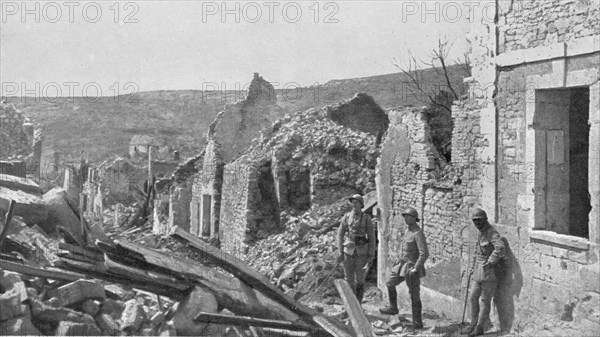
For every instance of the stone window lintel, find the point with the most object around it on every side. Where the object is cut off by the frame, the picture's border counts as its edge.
(568, 241)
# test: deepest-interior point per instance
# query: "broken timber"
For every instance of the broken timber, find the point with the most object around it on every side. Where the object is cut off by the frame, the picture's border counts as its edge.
(361, 324)
(255, 280)
(206, 317)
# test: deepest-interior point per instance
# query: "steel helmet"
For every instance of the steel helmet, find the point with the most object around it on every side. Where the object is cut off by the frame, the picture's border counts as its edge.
(412, 212)
(478, 213)
(357, 197)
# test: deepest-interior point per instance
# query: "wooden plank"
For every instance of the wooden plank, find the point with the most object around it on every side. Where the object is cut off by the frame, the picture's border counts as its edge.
(52, 273)
(11, 208)
(144, 276)
(99, 273)
(88, 252)
(183, 266)
(248, 321)
(325, 323)
(255, 280)
(361, 324)
(256, 332)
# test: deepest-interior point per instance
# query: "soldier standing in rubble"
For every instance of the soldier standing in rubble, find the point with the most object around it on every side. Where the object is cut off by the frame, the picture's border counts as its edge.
(356, 245)
(409, 267)
(489, 251)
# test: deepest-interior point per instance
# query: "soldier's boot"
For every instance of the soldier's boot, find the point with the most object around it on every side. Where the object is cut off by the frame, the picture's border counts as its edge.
(472, 326)
(391, 309)
(417, 315)
(360, 291)
(477, 331)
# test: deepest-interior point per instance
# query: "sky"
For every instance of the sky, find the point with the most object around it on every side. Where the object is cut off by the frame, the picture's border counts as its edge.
(65, 48)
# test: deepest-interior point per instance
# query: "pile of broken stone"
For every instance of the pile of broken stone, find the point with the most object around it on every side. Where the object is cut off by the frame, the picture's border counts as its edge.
(41, 226)
(331, 151)
(41, 306)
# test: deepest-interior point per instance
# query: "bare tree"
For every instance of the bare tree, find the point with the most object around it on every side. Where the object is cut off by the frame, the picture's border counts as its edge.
(436, 94)
(440, 94)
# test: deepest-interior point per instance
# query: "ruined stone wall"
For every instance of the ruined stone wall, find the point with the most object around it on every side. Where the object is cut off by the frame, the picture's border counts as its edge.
(410, 174)
(241, 122)
(20, 140)
(237, 181)
(533, 23)
(207, 184)
(359, 115)
(16, 133)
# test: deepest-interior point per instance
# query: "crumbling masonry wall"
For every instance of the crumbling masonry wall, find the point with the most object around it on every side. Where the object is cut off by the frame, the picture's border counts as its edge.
(205, 201)
(359, 114)
(237, 181)
(20, 140)
(532, 23)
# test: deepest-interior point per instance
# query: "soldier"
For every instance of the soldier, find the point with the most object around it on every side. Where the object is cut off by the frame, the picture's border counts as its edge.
(410, 267)
(489, 250)
(356, 244)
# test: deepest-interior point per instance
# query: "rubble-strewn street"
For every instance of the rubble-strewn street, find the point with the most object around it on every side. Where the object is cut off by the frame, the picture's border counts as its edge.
(315, 169)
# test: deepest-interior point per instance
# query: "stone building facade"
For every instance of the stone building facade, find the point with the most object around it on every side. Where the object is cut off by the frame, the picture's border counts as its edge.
(526, 148)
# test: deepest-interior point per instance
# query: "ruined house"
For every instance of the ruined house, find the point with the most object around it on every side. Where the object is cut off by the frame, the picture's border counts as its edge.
(21, 150)
(525, 147)
(140, 145)
(307, 159)
(228, 137)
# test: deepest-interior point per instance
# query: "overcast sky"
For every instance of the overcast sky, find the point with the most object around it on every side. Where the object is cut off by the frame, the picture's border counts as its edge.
(166, 45)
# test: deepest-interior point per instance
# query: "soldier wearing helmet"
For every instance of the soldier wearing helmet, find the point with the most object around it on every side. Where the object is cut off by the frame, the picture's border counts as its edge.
(410, 266)
(489, 250)
(356, 245)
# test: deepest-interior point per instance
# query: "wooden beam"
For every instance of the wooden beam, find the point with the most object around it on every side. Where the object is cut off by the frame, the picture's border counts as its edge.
(255, 280)
(256, 332)
(88, 252)
(145, 276)
(361, 324)
(11, 208)
(52, 273)
(232, 294)
(248, 321)
(325, 323)
(99, 272)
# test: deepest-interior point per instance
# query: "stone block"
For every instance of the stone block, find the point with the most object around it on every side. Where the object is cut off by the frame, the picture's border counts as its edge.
(133, 316)
(10, 302)
(20, 184)
(60, 213)
(21, 326)
(588, 278)
(197, 301)
(77, 329)
(90, 306)
(30, 207)
(117, 292)
(79, 291)
(107, 324)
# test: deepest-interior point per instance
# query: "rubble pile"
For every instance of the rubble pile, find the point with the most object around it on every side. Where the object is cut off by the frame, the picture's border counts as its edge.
(334, 153)
(302, 260)
(66, 282)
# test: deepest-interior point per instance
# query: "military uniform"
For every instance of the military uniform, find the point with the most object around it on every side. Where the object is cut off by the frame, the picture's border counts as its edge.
(489, 250)
(414, 252)
(356, 239)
